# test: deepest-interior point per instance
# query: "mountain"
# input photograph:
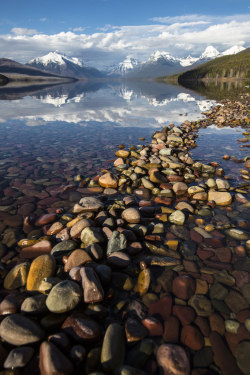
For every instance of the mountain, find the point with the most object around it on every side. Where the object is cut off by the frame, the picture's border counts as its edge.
(235, 66)
(162, 63)
(8, 66)
(124, 67)
(233, 50)
(159, 63)
(57, 63)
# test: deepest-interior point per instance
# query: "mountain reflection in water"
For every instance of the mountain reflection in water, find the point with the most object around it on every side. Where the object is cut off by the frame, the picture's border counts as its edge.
(141, 104)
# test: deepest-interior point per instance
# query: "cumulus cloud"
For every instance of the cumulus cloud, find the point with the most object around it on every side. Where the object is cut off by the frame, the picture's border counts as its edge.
(182, 35)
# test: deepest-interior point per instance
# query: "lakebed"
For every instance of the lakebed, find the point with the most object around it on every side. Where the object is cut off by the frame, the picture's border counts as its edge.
(141, 270)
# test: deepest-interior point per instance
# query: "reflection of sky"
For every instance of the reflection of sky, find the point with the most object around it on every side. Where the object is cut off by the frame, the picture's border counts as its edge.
(120, 105)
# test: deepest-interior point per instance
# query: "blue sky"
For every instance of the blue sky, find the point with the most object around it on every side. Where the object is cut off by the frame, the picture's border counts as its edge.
(53, 16)
(106, 31)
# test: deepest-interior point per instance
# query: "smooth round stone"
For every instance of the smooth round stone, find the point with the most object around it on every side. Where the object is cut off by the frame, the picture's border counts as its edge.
(45, 219)
(39, 248)
(210, 183)
(17, 276)
(91, 235)
(19, 357)
(63, 297)
(184, 206)
(180, 188)
(77, 228)
(177, 217)
(143, 282)
(246, 292)
(147, 184)
(18, 330)
(117, 242)
(108, 180)
(63, 247)
(173, 360)
(81, 328)
(91, 204)
(222, 184)
(237, 234)
(201, 304)
(221, 198)
(194, 190)
(34, 305)
(42, 267)
(232, 326)
(118, 259)
(192, 337)
(183, 287)
(122, 154)
(77, 258)
(153, 326)
(113, 348)
(55, 228)
(53, 361)
(131, 215)
(236, 302)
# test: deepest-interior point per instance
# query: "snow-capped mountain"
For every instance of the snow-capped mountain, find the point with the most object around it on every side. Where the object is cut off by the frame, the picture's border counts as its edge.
(124, 67)
(55, 58)
(233, 50)
(209, 53)
(161, 55)
(57, 63)
(189, 60)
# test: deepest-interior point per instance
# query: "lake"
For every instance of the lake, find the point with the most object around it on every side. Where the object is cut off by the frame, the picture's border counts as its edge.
(155, 260)
(72, 129)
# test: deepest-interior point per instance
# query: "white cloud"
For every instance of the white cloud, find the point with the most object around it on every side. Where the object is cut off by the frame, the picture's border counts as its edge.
(182, 35)
(43, 19)
(23, 31)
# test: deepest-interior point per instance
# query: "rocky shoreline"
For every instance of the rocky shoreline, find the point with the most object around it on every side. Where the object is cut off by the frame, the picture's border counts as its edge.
(147, 274)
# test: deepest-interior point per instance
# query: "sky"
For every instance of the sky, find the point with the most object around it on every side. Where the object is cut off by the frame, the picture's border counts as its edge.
(104, 32)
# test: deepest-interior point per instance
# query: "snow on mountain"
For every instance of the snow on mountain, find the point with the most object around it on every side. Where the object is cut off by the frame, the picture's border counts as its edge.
(55, 58)
(126, 65)
(158, 55)
(57, 63)
(189, 60)
(209, 53)
(233, 50)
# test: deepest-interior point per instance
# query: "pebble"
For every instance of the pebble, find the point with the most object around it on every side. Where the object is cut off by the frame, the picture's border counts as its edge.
(113, 348)
(63, 297)
(173, 360)
(42, 267)
(53, 361)
(183, 287)
(18, 330)
(92, 288)
(77, 258)
(81, 328)
(220, 198)
(131, 215)
(18, 357)
(17, 276)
